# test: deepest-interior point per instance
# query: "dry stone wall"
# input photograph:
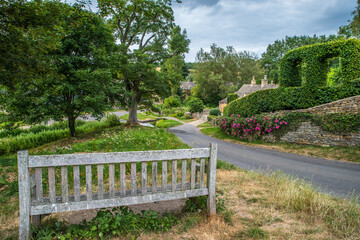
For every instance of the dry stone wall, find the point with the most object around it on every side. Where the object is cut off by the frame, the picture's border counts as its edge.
(311, 134)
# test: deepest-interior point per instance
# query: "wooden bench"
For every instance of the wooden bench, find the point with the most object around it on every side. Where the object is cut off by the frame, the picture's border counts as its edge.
(182, 185)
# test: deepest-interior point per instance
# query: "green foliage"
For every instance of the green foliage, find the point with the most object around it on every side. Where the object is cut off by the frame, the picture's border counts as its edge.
(215, 112)
(172, 101)
(311, 62)
(121, 221)
(279, 48)
(147, 35)
(252, 233)
(196, 105)
(112, 120)
(77, 80)
(167, 123)
(225, 165)
(32, 140)
(352, 29)
(210, 118)
(291, 98)
(222, 71)
(334, 77)
(198, 204)
(231, 97)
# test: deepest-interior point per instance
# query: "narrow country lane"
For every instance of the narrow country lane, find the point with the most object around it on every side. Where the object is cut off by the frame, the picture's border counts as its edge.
(334, 177)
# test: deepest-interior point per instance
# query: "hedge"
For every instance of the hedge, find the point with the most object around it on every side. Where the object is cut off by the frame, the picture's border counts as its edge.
(231, 97)
(291, 98)
(311, 63)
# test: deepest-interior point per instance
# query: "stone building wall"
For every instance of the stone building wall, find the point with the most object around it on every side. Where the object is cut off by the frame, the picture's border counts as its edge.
(311, 134)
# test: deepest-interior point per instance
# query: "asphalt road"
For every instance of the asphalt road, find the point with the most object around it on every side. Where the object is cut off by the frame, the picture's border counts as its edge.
(333, 177)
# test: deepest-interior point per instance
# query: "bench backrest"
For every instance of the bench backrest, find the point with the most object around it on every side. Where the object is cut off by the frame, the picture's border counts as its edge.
(126, 189)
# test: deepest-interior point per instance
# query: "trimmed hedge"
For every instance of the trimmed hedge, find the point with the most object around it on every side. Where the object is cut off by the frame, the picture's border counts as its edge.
(312, 62)
(215, 112)
(271, 100)
(231, 97)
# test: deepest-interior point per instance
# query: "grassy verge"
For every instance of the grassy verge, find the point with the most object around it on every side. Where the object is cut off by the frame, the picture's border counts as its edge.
(350, 154)
(205, 125)
(140, 116)
(167, 123)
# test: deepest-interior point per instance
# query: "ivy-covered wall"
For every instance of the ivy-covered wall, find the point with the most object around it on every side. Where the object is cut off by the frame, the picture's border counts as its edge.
(308, 65)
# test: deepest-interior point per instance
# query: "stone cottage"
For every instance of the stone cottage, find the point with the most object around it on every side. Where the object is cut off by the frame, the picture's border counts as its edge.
(186, 88)
(246, 89)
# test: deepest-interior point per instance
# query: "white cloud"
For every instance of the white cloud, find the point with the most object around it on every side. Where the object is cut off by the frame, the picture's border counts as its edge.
(253, 24)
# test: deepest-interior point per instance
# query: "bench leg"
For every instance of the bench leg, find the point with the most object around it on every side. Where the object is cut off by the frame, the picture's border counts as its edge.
(24, 226)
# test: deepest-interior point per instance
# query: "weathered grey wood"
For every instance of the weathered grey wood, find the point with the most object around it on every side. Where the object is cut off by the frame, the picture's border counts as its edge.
(164, 175)
(64, 184)
(88, 183)
(193, 173)
(122, 180)
(174, 175)
(154, 177)
(36, 220)
(112, 180)
(211, 179)
(38, 184)
(143, 178)
(24, 194)
(183, 174)
(100, 170)
(76, 172)
(112, 202)
(202, 172)
(133, 179)
(52, 191)
(119, 157)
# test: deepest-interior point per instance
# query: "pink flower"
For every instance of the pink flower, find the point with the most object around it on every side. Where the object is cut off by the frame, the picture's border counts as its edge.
(285, 123)
(277, 127)
(266, 118)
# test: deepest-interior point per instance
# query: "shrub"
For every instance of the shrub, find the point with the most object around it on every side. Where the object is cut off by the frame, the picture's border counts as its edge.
(231, 97)
(291, 98)
(249, 128)
(210, 118)
(172, 101)
(196, 105)
(314, 65)
(215, 112)
(112, 120)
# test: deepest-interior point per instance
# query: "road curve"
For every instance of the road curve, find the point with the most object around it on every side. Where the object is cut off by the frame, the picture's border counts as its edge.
(333, 177)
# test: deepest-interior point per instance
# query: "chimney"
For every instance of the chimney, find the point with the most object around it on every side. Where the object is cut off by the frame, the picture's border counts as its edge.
(253, 81)
(264, 81)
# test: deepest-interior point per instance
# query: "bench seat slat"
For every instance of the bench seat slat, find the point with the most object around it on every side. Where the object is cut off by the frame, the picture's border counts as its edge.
(104, 203)
(116, 157)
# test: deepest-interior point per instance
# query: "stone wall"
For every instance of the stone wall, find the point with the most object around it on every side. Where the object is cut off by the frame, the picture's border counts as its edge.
(311, 134)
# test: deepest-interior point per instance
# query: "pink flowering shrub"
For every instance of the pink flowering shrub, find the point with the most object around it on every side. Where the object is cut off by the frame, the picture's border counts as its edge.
(248, 128)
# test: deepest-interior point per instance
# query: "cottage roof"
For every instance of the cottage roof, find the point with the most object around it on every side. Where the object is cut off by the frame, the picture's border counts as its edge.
(187, 85)
(246, 89)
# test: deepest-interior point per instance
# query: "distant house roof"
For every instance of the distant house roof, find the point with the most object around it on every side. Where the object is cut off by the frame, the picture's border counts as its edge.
(187, 85)
(246, 89)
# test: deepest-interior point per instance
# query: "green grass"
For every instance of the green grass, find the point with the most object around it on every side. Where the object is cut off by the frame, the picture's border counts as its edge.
(140, 116)
(167, 123)
(205, 125)
(350, 154)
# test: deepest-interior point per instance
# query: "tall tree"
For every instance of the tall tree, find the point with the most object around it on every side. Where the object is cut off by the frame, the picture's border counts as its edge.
(77, 82)
(275, 51)
(147, 35)
(222, 71)
(352, 29)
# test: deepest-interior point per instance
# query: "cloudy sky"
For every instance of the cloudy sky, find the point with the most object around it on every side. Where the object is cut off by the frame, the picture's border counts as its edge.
(253, 24)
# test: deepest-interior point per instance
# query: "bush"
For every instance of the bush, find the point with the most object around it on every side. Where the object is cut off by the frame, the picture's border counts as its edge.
(196, 105)
(249, 128)
(215, 112)
(210, 118)
(231, 97)
(291, 98)
(314, 65)
(172, 102)
(112, 120)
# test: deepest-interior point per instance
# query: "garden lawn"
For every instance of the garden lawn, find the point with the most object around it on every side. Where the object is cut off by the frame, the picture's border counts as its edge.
(167, 123)
(350, 154)
(140, 116)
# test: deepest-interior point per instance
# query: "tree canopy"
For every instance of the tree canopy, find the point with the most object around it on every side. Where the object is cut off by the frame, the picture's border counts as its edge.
(352, 29)
(76, 79)
(222, 71)
(147, 36)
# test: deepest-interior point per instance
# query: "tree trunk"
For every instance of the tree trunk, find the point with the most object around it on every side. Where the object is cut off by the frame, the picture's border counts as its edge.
(71, 121)
(133, 110)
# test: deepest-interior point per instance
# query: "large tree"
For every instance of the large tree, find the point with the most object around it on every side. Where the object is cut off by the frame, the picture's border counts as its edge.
(147, 36)
(222, 71)
(76, 81)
